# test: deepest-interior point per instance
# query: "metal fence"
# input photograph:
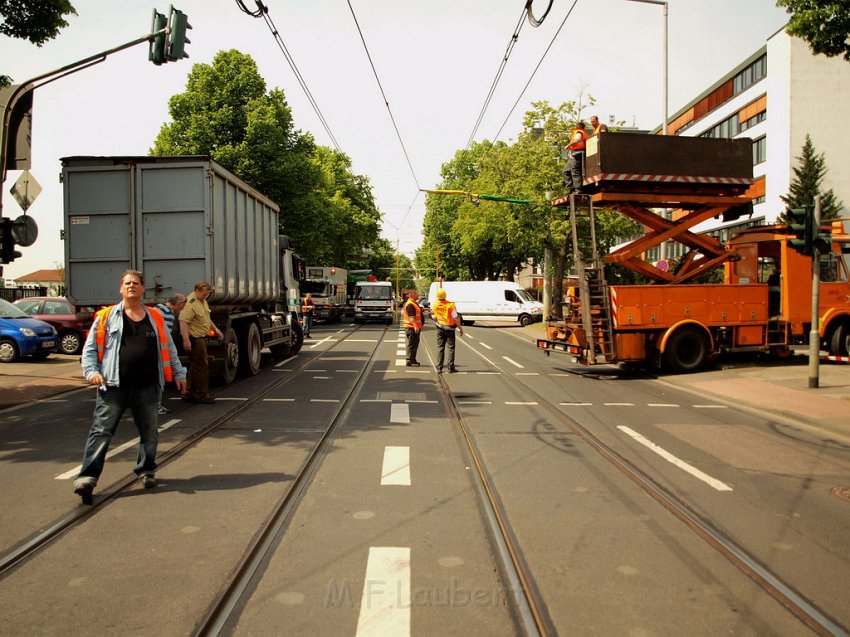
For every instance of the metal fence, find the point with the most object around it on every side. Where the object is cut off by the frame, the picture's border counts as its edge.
(13, 294)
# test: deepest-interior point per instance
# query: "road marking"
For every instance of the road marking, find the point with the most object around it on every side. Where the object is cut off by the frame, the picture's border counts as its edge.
(483, 344)
(519, 403)
(576, 404)
(375, 400)
(400, 412)
(513, 362)
(315, 370)
(288, 360)
(661, 405)
(322, 377)
(400, 362)
(324, 400)
(488, 373)
(279, 400)
(474, 402)
(396, 469)
(346, 371)
(619, 404)
(669, 457)
(385, 604)
(711, 407)
(362, 340)
(73, 473)
(527, 374)
(421, 402)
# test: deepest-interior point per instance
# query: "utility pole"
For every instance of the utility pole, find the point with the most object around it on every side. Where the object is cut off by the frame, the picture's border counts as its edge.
(814, 333)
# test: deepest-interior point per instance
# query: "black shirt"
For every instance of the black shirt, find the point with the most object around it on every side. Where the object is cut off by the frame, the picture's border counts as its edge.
(138, 359)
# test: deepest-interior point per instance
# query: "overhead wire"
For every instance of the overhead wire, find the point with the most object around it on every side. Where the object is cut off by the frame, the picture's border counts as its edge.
(263, 11)
(384, 95)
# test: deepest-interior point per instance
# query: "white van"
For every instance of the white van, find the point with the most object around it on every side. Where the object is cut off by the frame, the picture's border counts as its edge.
(374, 301)
(489, 301)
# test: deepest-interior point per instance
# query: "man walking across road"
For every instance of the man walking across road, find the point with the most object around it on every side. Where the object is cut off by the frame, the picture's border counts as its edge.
(129, 355)
(448, 320)
(169, 310)
(307, 307)
(411, 316)
(195, 325)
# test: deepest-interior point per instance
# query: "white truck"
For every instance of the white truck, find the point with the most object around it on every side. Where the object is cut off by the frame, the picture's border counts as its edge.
(327, 287)
(374, 301)
(489, 301)
(180, 220)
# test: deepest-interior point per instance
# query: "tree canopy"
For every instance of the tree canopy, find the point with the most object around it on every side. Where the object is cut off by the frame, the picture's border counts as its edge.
(807, 184)
(824, 24)
(37, 22)
(227, 113)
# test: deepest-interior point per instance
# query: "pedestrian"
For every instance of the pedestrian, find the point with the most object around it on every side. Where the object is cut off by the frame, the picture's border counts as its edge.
(307, 307)
(129, 355)
(169, 310)
(574, 171)
(195, 326)
(597, 126)
(447, 319)
(412, 321)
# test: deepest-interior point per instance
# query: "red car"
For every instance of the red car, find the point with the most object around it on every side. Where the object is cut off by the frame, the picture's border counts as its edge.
(71, 322)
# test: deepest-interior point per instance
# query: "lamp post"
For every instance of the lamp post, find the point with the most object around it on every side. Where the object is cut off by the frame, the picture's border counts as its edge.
(663, 3)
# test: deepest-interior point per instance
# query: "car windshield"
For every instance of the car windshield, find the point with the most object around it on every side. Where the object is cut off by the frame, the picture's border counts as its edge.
(9, 311)
(374, 292)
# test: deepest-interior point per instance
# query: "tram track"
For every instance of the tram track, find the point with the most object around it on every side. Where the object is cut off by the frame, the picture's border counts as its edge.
(532, 608)
(33, 545)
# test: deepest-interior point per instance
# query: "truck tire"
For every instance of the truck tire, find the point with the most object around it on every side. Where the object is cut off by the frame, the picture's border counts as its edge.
(687, 350)
(840, 343)
(297, 338)
(250, 348)
(230, 351)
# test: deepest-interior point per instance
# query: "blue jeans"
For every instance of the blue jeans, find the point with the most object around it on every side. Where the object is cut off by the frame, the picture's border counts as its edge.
(110, 405)
(308, 324)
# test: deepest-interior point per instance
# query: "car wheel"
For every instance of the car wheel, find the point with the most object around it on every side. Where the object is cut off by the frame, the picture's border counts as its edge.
(8, 351)
(70, 343)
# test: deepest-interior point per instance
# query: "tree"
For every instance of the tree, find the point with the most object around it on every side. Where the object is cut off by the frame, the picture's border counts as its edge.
(806, 185)
(824, 24)
(37, 22)
(226, 113)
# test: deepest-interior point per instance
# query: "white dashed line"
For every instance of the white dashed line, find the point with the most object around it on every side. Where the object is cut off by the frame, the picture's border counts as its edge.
(513, 362)
(400, 412)
(385, 603)
(396, 469)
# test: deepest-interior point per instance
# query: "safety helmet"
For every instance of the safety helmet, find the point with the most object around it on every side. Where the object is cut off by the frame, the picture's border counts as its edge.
(441, 294)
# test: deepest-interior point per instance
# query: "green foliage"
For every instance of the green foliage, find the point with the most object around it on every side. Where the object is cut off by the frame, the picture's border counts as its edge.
(806, 185)
(37, 22)
(227, 113)
(824, 24)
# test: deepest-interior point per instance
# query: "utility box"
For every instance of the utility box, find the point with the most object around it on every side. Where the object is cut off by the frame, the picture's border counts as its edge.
(632, 162)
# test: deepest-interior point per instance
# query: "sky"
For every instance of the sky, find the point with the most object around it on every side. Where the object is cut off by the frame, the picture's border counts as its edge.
(435, 59)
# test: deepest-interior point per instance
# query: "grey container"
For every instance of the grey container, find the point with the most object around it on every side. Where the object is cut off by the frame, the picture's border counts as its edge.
(178, 220)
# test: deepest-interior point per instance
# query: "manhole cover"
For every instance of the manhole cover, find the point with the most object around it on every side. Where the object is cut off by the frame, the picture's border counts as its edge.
(841, 492)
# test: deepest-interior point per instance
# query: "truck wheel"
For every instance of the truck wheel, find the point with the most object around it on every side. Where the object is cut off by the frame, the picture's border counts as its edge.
(251, 344)
(524, 319)
(230, 348)
(840, 343)
(687, 350)
(297, 338)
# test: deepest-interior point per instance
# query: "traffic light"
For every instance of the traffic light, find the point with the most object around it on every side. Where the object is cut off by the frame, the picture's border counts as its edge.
(178, 24)
(160, 41)
(802, 225)
(7, 242)
(822, 240)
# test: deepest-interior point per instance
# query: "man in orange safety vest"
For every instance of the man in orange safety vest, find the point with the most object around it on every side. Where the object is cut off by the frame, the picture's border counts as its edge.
(411, 316)
(574, 171)
(447, 319)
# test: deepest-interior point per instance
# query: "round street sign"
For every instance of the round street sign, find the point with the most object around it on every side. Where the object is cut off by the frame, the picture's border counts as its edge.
(662, 265)
(25, 230)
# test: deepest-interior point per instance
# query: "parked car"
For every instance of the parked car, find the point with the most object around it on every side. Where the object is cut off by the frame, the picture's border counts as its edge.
(71, 322)
(22, 335)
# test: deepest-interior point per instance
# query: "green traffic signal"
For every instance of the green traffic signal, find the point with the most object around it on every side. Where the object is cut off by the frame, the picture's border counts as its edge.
(156, 54)
(802, 222)
(178, 24)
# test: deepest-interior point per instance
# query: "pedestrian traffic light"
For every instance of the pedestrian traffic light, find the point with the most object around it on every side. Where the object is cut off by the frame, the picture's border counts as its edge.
(801, 224)
(159, 42)
(178, 24)
(7, 242)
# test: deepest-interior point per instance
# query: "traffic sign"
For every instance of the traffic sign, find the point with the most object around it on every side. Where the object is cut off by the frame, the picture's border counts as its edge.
(25, 190)
(662, 265)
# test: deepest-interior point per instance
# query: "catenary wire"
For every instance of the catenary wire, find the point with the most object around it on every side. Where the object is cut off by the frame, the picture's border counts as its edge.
(384, 95)
(536, 22)
(263, 11)
(502, 65)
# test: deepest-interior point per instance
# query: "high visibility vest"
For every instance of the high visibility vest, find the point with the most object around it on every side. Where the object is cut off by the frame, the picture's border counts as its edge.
(443, 312)
(598, 128)
(159, 323)
(581, 142)
(415, 321)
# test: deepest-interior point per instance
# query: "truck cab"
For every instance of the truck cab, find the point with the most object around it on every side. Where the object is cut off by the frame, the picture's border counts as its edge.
(374, 301)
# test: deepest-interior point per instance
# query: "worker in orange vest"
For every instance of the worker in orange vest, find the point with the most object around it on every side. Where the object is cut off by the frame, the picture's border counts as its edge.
(128, 356)
(411, 317)
(597, 126)
(574, 171)
(447, 319)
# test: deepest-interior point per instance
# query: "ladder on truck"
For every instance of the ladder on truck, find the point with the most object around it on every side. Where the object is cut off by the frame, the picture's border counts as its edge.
(594, 296)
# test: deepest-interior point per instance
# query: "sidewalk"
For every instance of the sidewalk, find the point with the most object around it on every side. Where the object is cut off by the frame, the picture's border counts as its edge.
(779, 387)
(25, 382)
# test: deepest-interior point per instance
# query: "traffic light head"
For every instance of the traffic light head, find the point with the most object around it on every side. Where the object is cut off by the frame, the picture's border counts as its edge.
(802, 225)
(158, 44)
(7, 242)
(178, 24)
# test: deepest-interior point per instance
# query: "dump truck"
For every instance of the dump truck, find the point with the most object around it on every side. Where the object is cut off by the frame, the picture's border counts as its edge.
(765, 300)
(328, 289)
(180, 220)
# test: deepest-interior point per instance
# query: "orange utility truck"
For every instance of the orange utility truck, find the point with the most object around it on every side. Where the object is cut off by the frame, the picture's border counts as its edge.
(764, 302)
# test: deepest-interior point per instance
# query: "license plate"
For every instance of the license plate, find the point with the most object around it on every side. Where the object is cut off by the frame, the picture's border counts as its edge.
(48, 344)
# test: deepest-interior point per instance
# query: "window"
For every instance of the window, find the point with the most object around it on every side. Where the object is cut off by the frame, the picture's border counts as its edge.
(750, 75)
(755, 119)
(759, 150)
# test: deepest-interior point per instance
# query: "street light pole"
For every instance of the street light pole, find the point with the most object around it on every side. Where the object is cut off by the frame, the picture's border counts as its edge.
(663, 3)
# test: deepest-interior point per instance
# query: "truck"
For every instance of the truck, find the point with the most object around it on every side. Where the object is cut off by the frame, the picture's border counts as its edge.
(374, 301)
(765, 300)
(489, 301)
(327, 287)
(180, 220)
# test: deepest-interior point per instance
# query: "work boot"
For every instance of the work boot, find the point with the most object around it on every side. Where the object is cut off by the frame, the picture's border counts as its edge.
(84, 490)
(148, 481)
